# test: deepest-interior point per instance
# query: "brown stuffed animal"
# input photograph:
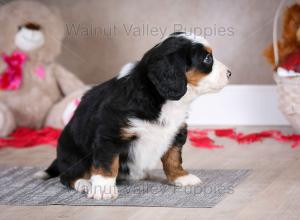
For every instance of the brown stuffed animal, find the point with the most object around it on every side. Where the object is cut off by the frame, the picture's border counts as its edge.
(290, 40)
(35, 91)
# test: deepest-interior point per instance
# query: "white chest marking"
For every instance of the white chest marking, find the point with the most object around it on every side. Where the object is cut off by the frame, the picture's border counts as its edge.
(155, 137)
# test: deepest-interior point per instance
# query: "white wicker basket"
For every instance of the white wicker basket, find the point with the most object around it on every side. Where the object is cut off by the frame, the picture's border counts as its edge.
(288, 91)
(288, 88)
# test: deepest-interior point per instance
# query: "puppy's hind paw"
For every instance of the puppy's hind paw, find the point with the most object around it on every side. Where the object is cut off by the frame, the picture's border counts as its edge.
(41, 175)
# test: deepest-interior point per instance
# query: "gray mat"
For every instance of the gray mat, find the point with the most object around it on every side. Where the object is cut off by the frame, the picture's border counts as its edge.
(19, 188)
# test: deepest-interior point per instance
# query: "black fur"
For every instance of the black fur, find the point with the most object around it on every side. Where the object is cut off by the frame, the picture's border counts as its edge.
(180, 137)
(93, 136)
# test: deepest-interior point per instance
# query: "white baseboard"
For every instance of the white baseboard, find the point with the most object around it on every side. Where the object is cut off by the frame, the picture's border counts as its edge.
(238, 105)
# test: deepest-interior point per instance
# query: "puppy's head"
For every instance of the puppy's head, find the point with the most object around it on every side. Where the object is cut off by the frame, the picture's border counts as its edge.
(184, 61)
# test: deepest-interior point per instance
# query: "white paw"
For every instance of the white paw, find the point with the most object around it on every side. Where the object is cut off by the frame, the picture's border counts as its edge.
(82, 185)
(41, 175)
(187, 180)
(103, 188)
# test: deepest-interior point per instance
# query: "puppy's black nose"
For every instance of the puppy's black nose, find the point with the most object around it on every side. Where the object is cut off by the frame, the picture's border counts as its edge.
(228, 74)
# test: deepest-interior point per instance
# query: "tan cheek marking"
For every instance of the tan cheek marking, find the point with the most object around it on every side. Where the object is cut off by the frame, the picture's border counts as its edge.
(113, 172)
(194, 76)
(172, 164)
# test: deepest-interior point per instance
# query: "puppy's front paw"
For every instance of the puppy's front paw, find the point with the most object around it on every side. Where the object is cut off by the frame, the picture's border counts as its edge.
(103, 188)
(103, 192)
(187, 180)
(83, 185)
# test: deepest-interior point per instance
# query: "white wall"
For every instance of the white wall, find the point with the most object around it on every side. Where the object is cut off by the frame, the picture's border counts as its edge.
(238, 31)
(238, 105)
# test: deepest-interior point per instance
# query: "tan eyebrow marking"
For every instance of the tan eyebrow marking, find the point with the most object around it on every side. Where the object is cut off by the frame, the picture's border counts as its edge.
(208, 49)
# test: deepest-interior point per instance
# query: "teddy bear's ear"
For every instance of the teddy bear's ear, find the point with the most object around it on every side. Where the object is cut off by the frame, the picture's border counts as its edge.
(268, 53)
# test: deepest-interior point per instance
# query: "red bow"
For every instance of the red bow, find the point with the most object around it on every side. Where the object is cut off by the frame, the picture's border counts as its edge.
(292, 62)
(11, 77)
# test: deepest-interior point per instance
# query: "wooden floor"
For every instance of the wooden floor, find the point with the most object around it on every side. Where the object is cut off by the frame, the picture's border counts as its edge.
(272, 191)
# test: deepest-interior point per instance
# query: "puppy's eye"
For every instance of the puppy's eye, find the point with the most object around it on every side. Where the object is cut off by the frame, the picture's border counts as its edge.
(208, 59)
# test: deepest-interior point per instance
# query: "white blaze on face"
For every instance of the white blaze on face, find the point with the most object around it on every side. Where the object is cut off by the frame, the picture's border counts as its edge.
(27, 39)
(215, 80)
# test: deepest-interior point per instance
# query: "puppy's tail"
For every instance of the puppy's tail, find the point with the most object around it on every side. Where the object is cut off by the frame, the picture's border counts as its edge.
(50, 172)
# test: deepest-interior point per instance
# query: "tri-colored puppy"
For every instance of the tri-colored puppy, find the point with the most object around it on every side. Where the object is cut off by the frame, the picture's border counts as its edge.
(124, 126)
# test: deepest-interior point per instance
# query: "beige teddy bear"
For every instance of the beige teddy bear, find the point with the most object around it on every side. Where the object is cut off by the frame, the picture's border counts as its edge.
(35, 91)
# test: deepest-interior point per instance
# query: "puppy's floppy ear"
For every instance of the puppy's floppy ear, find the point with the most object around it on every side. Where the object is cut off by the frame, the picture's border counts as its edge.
(166, 66)
(167, 73)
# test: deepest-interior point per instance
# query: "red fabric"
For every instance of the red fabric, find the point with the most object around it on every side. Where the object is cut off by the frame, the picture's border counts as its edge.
(292, 62)
(11, 78)
(199, 138)
(26, 137)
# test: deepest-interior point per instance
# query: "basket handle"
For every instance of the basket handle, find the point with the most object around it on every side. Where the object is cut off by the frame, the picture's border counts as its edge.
(275, 27)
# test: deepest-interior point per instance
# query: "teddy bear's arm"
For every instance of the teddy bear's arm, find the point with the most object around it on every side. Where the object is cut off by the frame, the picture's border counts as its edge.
(269, 54)
(67, 81)
(7, 120)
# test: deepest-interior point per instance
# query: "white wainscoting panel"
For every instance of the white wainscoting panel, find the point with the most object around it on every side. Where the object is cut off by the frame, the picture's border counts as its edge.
(238, 105)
